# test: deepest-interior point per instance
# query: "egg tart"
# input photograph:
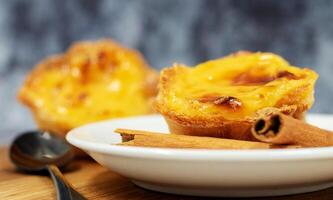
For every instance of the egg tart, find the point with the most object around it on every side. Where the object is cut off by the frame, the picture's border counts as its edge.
(223, 97)
(91, 81)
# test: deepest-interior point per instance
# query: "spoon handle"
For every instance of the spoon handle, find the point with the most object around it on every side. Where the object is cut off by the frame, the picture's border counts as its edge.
(65, 191)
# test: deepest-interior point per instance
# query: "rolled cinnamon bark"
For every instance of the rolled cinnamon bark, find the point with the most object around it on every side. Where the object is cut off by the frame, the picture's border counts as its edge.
(151, 139)
(285, 130)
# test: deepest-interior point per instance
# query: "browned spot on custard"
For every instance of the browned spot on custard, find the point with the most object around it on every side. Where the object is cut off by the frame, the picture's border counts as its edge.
(288, 75)
(105, 113)
(102, 60)
(59, 85)
(228, 101)
(247, 78)
(82, 96)
(261, 96)
(107, 61)
(84, 71)
(101, 56)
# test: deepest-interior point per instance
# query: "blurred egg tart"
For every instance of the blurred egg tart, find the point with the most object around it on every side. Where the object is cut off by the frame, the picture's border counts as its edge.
(222, 97)
(92, 81)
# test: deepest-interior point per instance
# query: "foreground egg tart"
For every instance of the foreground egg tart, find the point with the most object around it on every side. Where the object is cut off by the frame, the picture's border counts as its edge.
(223, 97)
(92, 81)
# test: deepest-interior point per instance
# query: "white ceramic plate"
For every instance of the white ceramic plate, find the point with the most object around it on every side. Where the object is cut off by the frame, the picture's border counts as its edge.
(228, 173)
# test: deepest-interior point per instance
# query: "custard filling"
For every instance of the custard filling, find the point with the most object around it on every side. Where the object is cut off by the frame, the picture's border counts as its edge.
(235, 87)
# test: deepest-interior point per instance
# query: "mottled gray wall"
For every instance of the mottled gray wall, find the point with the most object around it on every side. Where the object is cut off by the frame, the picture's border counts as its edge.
(165, 31)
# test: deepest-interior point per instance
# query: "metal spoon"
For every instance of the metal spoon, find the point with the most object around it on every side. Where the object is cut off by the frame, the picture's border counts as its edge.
(38, 151)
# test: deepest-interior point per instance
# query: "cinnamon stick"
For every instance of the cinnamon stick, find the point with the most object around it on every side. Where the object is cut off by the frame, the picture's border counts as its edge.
(282, 129)
(152, 139)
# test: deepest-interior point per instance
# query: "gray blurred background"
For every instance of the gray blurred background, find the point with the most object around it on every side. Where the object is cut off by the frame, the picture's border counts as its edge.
(165, 31)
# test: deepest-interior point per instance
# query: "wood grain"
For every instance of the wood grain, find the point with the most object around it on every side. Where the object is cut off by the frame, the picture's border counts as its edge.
(95, 182)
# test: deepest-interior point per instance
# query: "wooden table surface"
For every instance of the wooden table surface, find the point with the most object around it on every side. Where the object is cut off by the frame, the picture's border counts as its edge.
(94, 182)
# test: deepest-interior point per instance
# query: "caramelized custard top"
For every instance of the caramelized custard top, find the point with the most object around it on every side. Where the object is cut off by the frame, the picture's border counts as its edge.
(235, 86)
(91, 81)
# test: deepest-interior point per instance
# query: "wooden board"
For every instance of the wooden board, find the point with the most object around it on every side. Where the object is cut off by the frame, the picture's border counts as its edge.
(94, 182)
